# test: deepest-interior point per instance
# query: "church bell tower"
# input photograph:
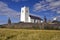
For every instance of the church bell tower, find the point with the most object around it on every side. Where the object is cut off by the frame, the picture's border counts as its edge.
(24, 17)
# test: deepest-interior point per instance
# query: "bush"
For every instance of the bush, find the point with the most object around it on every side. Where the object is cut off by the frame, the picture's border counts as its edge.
(2, 26)
(48, 27)
(35, 27)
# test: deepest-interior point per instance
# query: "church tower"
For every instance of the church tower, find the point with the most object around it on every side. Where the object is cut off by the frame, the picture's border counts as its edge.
(24, 17)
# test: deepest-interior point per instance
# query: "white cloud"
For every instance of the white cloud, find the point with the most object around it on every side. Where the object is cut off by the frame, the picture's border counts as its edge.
(49, 0)
(5, 10)
(18, 0)
(37, 7)
(55, 4)
(58, 11)
(52, 5)
(57, 18)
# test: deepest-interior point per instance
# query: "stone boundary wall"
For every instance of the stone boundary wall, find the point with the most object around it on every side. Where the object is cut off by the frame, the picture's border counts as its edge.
(22, 25)
(31, 25)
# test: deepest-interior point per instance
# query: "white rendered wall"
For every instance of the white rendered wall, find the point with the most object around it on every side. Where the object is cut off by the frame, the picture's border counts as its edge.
(32, 20)
(29, 19)
(24, 14)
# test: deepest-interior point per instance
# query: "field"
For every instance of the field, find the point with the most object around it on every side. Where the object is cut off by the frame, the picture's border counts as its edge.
(27, 34)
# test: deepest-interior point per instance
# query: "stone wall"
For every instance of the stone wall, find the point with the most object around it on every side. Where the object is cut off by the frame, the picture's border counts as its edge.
(22, 25)
(32, 25)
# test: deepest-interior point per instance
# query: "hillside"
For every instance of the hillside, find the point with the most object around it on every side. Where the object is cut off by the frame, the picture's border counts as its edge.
(27, 34)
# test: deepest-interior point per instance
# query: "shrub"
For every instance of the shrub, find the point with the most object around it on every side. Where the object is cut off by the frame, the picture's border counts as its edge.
(35, 27)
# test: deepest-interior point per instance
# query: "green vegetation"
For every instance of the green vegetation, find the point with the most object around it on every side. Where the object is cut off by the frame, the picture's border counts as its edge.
(27, 34)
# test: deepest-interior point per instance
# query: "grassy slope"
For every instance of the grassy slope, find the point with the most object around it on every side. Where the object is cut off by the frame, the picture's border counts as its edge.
(26, 34)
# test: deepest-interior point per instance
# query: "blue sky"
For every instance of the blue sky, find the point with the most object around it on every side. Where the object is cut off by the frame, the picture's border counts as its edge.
(11, 8)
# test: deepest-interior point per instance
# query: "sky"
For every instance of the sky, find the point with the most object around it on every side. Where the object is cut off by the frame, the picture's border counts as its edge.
(12, 9)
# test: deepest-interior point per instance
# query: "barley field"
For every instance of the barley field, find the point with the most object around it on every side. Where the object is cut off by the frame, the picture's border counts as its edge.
(27, 34)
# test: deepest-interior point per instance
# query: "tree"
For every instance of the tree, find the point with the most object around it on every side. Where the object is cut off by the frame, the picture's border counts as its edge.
(45, 19)
(9, 21)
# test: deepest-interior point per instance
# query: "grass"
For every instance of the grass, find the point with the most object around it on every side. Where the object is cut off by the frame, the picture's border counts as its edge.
(27, 34)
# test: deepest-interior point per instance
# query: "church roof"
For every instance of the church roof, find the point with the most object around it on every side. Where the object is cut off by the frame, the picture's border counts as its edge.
(35, 17)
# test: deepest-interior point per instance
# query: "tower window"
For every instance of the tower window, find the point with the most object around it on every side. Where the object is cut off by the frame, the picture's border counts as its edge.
(26, 10)
(22, 11)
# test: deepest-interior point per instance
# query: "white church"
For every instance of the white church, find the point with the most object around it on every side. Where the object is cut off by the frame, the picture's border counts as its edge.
(26, 17)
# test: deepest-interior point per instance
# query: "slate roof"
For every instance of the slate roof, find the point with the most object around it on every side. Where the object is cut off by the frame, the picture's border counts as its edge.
(35, 17)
